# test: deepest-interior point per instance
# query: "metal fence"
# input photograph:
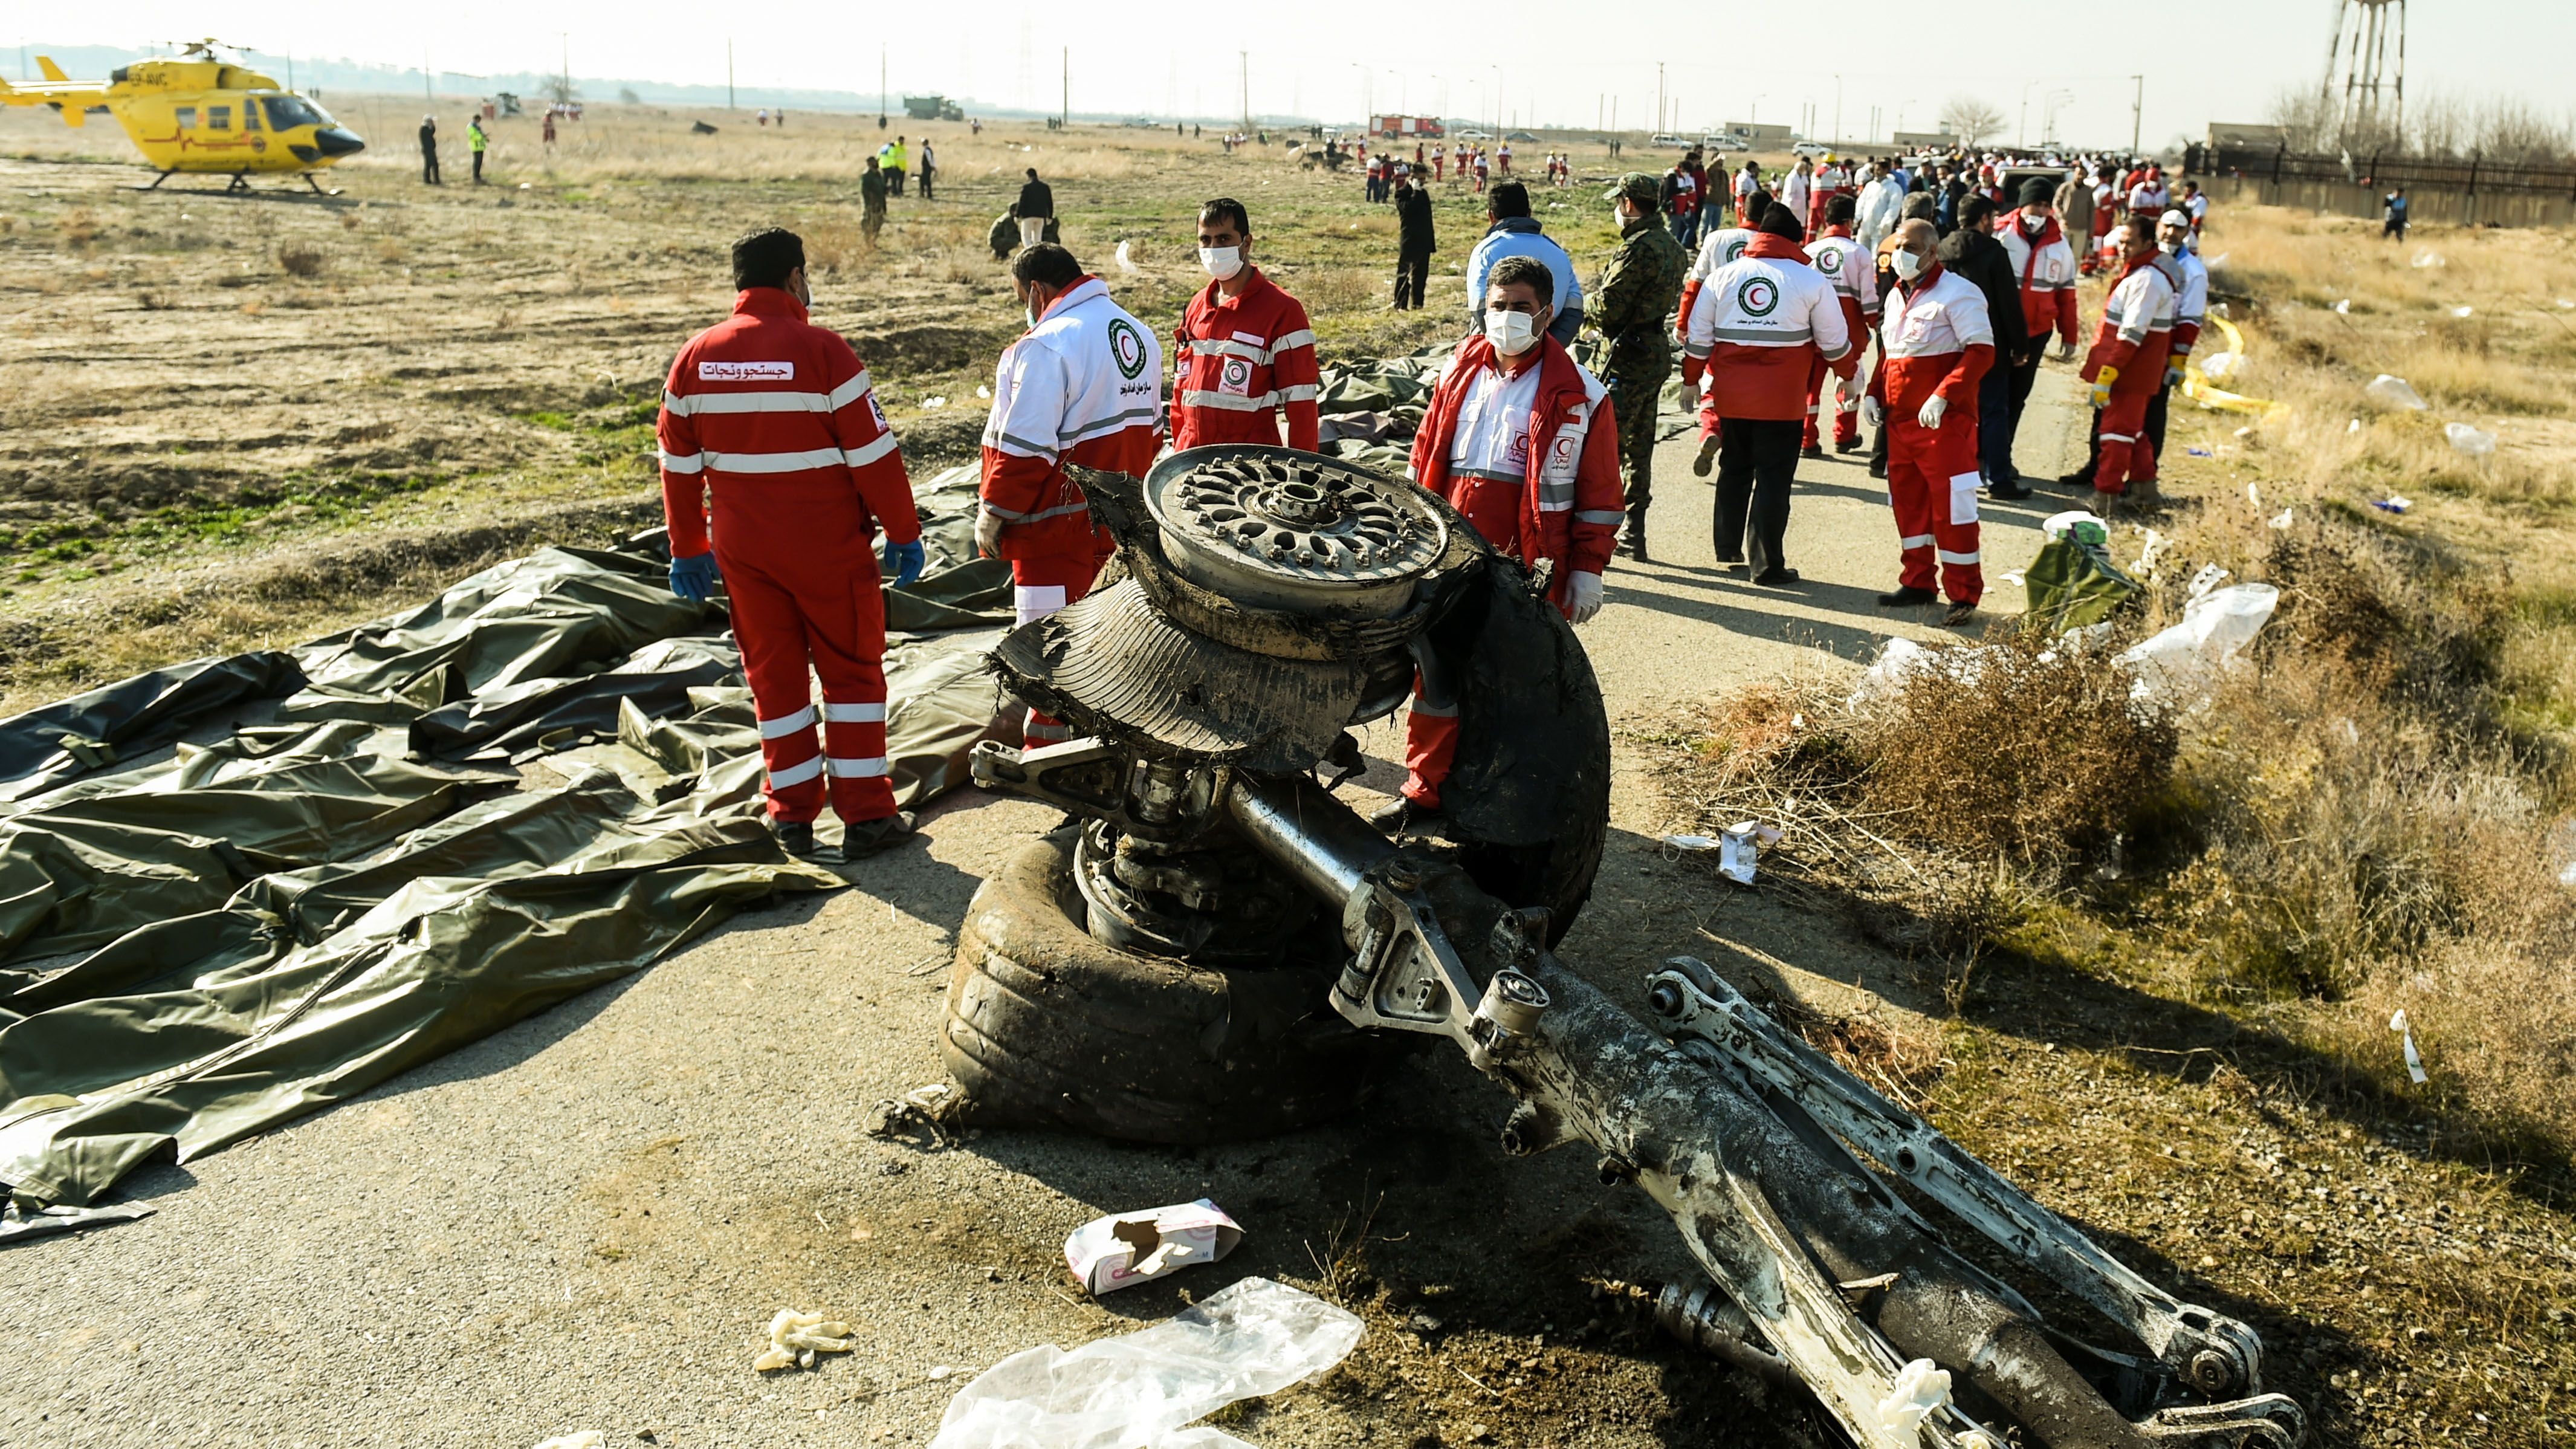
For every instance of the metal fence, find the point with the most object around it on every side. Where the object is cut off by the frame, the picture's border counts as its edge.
(2470, 193)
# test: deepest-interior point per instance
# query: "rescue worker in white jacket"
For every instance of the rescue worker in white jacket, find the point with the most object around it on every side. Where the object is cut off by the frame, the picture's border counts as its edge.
(2190, 278)
(1881, 207)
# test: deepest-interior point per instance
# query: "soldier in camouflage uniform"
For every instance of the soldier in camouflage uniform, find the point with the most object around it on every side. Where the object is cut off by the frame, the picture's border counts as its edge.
(1632, 306)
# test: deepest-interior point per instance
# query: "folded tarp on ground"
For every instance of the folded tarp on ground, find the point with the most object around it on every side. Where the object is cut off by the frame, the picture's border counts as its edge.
(295, 912)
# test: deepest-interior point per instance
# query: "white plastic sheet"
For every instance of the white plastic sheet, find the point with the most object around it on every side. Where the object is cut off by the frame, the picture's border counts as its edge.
(2391, 391)
(1141, 1390)
(2469, 440)
(2179, 664)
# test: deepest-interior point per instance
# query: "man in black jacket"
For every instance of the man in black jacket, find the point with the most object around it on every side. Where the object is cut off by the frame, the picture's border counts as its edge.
(1413, 243)
(1979, 259)
(1037, 209)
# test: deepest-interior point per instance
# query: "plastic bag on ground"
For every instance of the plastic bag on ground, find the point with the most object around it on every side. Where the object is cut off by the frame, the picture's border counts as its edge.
(1140, 1390)
(2177, 665)
(2395, 392)
(2073, 583)
(2469, 440)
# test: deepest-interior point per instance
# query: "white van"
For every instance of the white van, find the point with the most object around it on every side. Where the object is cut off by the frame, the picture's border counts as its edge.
(1671, 142)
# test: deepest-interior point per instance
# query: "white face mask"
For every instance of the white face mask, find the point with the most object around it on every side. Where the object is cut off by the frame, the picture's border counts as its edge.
(1221, 262)
(1512, 333)
(1908, 265)
(2033, 224)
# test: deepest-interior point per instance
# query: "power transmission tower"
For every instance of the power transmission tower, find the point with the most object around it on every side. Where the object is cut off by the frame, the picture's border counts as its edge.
(2365, 92)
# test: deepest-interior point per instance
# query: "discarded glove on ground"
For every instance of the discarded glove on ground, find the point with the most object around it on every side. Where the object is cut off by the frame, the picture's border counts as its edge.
(794, 1339)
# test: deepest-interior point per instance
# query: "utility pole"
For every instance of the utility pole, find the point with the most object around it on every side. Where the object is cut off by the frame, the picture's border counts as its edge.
(566, 37)
(729, 73)
(2137, 114)
(424, 78)
(1659, 96)
(1243, 58)
(881, 85)
(1837, 137)
(1064, 102)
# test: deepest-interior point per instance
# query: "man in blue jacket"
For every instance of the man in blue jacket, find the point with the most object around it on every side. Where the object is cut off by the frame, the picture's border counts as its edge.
(1515, 233)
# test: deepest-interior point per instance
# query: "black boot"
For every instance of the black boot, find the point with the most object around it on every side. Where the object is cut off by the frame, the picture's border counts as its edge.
(1404, 817)
(863, 838)
(796, 837)
(1906, 598)
(1633, 537)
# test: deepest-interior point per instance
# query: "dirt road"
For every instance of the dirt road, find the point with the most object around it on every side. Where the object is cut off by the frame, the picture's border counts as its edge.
(585, 1221)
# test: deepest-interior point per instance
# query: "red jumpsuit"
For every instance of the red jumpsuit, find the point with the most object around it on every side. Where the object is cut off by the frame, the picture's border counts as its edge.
(1082, 387)
(1841, 261)
(772, 416)
(2136, 337)
(1243, 362)
(1533, 464)
(1935, 337)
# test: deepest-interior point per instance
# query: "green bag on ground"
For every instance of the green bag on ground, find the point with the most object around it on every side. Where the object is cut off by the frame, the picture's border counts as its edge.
(2073, 584)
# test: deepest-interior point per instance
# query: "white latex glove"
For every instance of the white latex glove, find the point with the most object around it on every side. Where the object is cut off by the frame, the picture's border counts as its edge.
(1873, 412)
(1935, 408)
(1583, 597)
(988, 533)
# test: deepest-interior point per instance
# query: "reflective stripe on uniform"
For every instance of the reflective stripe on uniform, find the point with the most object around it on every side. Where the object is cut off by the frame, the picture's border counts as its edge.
(1061, 509)
(1915, 540)
(796, 774)
(777, 462)
(1599, 515)
(1297, 392)
(1302, 337)
(875, 448)
(871, 713)
(1434, 711)
(1948, 557)
(858, 769)
(787, 724)
(1107, 425)
(1228, 402)
(683, 462)
(1760, 337)
(767, 400)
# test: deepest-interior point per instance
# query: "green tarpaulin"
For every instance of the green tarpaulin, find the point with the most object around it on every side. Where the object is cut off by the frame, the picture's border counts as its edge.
(278, 915)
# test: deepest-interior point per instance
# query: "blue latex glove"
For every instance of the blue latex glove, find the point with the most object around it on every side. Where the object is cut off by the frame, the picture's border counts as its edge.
(904, 561)
(694, 578)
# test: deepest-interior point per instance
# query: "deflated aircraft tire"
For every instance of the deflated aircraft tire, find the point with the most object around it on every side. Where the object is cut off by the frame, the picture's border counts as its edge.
(1047, 1026)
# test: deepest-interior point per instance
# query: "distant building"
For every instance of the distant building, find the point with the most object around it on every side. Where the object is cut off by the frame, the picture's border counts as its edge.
(1759, 137)
(2228, 133)
(1940, 140)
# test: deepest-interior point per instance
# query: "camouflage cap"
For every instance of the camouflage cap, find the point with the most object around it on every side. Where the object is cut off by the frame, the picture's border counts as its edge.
(1636, 186)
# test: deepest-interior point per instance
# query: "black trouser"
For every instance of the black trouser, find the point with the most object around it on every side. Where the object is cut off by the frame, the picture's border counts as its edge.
(1878, 451)
(429, 165)
(925, 183)
(1412, 274)
(894, 180)
(478, 168)
(1994, 426)
(1757, 460)
(2156, 424)
(2024, 377)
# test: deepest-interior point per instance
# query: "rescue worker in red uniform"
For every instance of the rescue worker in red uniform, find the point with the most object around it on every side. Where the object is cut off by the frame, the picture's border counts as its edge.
(1758, 328)
(1245, 352)
(771, 416)
(1082, 386)
(2044, 268)
(1521, 440)
(1936, 342)
(2127, 365)
(1854, 275)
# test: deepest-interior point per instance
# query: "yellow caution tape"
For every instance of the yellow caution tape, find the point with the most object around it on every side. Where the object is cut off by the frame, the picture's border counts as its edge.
(2198, 387)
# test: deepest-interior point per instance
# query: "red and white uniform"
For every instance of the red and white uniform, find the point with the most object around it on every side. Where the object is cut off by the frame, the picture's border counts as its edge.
(1084, 387)
(1531, 459)
(1797, 192)
(2148, 195)
(1243, 362)
(2188, 275)
(1745, 185)
(1935, 337)
(2043, 264)
(1854, 276)
(1831, 182)
(1716, 249)
(1505, 155)
(1758, 327)
(771, 417)
(2136, 337)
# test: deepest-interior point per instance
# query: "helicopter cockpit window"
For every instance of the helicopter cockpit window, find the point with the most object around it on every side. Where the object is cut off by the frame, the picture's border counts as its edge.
(219, 118)
(187, 118)
(285, 113)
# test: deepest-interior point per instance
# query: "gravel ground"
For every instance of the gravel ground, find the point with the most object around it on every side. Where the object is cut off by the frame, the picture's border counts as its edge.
(586, 1220)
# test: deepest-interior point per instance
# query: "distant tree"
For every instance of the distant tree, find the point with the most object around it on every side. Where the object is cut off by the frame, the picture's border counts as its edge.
(560, 90)
(626, 96)
(1972, 120)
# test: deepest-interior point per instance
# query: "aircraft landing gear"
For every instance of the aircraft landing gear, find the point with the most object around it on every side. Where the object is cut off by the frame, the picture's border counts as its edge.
(317, 186)
(157, 180)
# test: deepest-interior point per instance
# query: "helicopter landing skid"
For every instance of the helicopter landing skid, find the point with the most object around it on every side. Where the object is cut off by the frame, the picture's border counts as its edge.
(239, 183)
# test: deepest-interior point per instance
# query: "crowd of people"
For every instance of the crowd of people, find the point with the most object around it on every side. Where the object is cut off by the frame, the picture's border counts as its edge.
(1927, 287)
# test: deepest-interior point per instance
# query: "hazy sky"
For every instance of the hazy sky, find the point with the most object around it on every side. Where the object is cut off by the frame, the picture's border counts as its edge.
(2204, 59)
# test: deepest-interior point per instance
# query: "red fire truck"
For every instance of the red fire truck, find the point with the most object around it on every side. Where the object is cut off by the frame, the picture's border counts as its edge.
(1397, 128)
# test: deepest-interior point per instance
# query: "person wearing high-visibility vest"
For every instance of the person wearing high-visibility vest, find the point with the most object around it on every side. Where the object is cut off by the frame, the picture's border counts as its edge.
(475, 141)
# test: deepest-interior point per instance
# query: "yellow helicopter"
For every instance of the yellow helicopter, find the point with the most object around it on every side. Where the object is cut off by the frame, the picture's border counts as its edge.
(201, 112)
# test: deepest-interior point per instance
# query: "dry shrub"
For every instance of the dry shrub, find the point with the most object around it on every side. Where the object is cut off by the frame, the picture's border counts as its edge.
(300, 259)
(2027, 750)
